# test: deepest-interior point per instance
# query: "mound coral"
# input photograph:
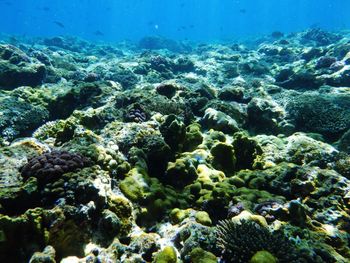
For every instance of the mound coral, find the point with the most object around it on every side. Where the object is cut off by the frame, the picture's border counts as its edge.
(53, 164)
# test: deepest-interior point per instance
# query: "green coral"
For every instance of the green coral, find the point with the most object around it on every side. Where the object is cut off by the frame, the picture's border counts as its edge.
(193, 137)
(167, 255)
(132, 186)
(263, 257)
(199, 255)
(181, 172)
(203, 218)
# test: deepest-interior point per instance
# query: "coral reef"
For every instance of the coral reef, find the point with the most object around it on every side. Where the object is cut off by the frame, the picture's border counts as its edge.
(141, 152)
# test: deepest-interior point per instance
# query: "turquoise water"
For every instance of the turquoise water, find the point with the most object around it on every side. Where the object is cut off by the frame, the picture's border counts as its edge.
(110, 20)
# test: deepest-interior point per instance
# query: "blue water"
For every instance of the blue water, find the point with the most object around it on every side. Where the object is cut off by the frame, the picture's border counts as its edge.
(113, 20)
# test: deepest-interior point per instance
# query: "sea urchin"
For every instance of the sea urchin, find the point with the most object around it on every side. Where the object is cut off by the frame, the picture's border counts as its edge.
(243, 242)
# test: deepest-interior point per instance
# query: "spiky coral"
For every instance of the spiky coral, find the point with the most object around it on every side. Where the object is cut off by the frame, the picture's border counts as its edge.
(239, 242)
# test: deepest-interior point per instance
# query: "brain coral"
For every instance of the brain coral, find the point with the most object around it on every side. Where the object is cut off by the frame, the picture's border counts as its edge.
(50, 165)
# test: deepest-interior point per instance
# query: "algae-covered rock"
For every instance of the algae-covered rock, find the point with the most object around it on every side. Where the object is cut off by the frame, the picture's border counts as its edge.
(265, 116)
(19, 117)
(199, 255)
(19, 231)
(195, 235)
(218, 120)
(344, 142)
(174, 132)
(167, 89)
(167, 255)
(231, 94)
(17, 69)
(180, 173)
(193, 137)
(263, 257)
(132, 186)
(224, 157)
(246, 150)
(203, 218)
(177, 215)
(144, 245)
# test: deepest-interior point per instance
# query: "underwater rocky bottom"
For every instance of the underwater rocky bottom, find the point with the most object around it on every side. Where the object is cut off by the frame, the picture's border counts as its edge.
(163, 151)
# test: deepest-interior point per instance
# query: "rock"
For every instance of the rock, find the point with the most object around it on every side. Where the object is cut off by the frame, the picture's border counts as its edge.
(232, 94)
(161, 43)
(325, 62)
(174, 132)
(194, 235)
(19, 231)
(16, 69)
(297, 213)
(145, 244)
(109, 224)
(246, 151)
(218, 120)
(265, 116)
(47, 256)
(124, 76)
(167, 90)
(320, 37)
(193, 137)
(302, 78)
(183, 64)
(341, 78)
(20, 118)
(224, 157)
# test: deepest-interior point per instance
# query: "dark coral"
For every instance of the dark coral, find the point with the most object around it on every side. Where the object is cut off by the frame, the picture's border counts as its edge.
(320, 37)
(167, 90)
(155, 42)
(136, 114)
(124, 76)
(17, 69)
(51, 165)
(20, 118)
(240, 241)
(327, 115)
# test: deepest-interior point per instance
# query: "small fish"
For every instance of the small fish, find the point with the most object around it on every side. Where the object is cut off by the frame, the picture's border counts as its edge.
(277, 34)
(156, 27)
(98, 33)
(46, 9)
(243, 11)
(59, 24)
(181, 28)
